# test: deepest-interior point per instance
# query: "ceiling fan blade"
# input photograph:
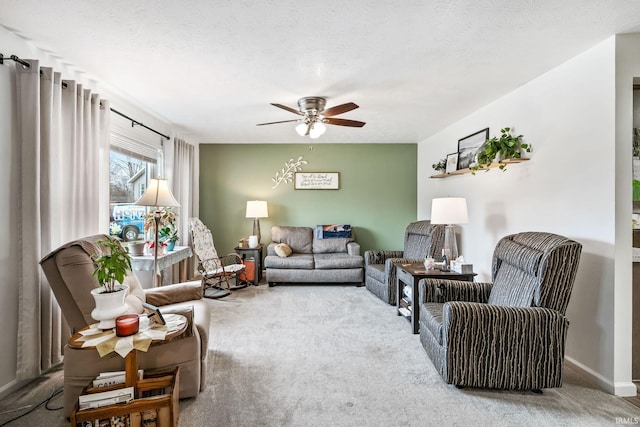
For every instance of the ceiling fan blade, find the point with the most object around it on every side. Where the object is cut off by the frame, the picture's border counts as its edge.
(339, 109)
(282, 121)
(291, 110)
(344, 122)
(308, 129)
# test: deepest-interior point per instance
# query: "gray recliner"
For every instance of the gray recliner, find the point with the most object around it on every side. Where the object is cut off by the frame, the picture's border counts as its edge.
(421, 239)
(510, 333)
(69, 270)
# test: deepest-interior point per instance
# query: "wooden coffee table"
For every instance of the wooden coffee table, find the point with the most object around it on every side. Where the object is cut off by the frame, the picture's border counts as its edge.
(410, 274)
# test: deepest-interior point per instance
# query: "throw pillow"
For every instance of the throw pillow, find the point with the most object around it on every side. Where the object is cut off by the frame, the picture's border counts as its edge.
(282, 250)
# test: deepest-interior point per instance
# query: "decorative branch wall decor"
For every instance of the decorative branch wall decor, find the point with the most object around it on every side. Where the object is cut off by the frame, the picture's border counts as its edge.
(286, 173)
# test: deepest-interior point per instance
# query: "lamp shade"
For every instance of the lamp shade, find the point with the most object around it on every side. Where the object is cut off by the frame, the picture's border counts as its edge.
(157, 194)
(301, 129)
(449, 210)
(257, 209)
(316, 130)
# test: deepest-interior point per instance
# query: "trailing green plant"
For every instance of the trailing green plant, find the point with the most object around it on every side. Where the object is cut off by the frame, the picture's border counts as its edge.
(507, 146)
(441, 166)
(113, 265)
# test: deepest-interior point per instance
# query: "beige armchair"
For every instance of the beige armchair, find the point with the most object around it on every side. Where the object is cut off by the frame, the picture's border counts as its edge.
(69, 270)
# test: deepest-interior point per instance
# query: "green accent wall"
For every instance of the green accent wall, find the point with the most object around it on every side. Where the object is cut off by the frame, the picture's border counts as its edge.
(377, 195)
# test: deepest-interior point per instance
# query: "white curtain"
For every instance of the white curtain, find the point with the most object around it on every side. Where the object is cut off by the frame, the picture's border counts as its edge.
(182, 171)
(63, 138)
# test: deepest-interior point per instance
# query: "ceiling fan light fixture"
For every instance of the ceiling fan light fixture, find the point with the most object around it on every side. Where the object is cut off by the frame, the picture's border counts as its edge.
(301, 129)
(317, 129)
(315, 116)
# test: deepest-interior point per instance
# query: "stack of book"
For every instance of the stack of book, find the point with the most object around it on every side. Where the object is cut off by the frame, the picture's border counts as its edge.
(107, 379)
(104, 398)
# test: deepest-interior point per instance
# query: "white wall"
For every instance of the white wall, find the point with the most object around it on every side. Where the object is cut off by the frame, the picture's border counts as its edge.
(569, 187)
(10, 187)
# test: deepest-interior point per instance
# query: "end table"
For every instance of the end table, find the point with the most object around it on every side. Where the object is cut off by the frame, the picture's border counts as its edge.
(410, 275)
(256, 254)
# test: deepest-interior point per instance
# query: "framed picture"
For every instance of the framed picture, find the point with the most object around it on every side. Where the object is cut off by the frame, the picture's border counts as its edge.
(452, 162)
(469, 146)
(317, 181)
(153, 313)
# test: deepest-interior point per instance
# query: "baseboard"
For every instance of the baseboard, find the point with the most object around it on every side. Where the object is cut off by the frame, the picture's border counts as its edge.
(622, 389)
(9, 388)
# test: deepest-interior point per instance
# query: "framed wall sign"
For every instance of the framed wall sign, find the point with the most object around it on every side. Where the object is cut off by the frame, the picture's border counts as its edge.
(317, 181)
(468, 147)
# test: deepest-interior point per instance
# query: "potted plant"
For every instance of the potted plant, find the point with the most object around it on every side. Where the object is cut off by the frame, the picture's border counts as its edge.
(112, 266)
(169, 235)
(504, 148)
(441, 166)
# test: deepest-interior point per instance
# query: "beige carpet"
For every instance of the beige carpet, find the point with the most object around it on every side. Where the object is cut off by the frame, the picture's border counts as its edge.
(338, 356)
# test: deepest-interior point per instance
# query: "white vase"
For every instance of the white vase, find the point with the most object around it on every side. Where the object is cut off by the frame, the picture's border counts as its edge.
(109, 305)
(253, 241)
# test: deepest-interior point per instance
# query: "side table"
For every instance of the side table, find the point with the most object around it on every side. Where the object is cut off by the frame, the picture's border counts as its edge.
(168, 379)
(410, 274)
(256, 254)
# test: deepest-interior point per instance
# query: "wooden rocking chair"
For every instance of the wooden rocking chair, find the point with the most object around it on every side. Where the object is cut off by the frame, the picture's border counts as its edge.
(217, 272)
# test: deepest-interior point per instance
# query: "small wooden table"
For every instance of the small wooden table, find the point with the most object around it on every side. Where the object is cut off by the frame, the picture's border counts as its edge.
(410, 274)
(131, 380)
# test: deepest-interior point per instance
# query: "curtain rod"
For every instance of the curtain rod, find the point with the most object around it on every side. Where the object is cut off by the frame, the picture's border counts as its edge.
(133, 121)
(14, 58)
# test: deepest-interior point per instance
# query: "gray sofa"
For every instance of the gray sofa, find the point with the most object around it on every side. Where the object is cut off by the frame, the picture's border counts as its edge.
(312, 260)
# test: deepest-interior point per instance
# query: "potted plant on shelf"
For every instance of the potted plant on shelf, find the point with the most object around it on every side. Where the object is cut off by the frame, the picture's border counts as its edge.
(441, 166)
(112, 266)
(502, 149)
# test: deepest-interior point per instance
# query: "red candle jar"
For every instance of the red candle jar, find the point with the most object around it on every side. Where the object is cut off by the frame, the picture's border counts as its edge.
(127, 324)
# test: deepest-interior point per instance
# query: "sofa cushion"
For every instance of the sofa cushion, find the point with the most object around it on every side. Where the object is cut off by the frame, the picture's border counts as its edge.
(334, 245)
(431, 316)
(337, 260)
(282, 250)
(299, 239)
(293, 261)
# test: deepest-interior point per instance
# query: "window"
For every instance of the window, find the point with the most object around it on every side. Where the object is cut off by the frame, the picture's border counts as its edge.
(133, 160)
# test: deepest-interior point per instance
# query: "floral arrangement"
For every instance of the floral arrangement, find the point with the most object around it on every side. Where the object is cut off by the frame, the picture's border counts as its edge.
(167, 218)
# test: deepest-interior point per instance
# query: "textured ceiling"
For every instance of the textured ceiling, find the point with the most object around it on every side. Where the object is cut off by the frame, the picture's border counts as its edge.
(212, 67)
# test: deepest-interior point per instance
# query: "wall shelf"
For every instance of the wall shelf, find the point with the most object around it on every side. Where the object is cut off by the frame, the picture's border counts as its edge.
(491, 166)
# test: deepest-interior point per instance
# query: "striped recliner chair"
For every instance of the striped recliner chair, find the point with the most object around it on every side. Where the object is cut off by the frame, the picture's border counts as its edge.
(508, 334)
(421, 239)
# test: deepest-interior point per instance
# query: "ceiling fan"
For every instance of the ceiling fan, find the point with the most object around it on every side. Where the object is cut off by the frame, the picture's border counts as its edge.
(314, 116)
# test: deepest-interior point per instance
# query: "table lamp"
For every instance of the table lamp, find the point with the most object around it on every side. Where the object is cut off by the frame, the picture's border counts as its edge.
(157, 195)
(449, 211)
(257, 209)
